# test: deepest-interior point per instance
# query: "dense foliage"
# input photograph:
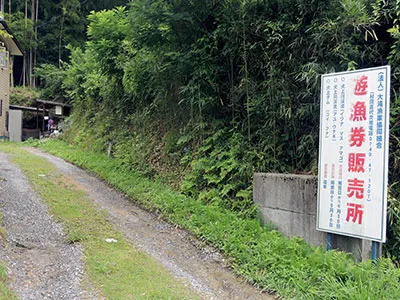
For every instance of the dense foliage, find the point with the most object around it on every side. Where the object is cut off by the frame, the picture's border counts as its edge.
(62, 21)
(289, 267)
(225, 88)
(44, 28)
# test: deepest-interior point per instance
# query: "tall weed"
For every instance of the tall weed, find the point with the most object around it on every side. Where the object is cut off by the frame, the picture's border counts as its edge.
(221, 172)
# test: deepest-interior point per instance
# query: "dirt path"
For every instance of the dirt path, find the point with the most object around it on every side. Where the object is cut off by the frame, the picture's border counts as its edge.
(203, 268)
(40, 262)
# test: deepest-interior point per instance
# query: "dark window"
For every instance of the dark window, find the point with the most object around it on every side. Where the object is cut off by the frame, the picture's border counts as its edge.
(1, 108)
(7, 120)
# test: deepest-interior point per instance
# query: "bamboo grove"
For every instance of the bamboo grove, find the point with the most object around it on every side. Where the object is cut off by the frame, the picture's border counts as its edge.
(45, 27)
(211, 91)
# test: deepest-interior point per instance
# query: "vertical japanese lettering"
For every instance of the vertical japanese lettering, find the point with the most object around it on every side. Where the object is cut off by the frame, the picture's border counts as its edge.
(357, 136)
(355, 213)
(361, 86)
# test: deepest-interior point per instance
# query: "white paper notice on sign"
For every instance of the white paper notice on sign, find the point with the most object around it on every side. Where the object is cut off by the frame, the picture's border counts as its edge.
(353, 153)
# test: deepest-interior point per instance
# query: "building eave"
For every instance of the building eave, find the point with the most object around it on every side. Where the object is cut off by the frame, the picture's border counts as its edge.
(9, 40)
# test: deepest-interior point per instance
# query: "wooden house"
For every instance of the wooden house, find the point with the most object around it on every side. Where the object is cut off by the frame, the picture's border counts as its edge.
(9, 47)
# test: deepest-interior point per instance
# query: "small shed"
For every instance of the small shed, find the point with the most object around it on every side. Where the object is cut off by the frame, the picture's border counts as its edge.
(56, 111)
(33, 121)
(9, 47)
(23, 123)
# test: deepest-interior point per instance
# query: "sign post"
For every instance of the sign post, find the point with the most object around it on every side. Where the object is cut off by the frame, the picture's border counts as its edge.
(353, 153)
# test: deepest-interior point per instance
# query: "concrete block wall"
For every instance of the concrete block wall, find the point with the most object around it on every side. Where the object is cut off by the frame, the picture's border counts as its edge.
(289, 202)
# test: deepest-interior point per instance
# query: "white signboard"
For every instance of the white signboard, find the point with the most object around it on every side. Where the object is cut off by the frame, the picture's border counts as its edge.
(353, 153)
(59, 110)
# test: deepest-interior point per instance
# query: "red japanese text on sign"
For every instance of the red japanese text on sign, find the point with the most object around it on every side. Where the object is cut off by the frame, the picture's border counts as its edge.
(355, 188)
(361, 86)
(357, 136)
(359, 112)
(354, 213)
(356, 162)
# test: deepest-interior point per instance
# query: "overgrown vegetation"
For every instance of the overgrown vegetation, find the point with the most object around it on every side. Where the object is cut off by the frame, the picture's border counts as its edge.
(5, 291)
(23, 96)
(44, 28)
(117, 270)
(290, 267)
(210, 91)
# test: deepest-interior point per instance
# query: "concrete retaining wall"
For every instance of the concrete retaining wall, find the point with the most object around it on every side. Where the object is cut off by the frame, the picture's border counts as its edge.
(289, 202)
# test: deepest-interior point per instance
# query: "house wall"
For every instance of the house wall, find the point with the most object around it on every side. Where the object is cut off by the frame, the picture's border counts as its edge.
(4, 98)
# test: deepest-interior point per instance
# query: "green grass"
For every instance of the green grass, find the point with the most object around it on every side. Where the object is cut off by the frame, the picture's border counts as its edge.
(5, 291)
(288, 266)
(117, 270)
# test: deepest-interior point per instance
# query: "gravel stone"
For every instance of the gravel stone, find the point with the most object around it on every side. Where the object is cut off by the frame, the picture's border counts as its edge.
(203, 268)
(40, 262)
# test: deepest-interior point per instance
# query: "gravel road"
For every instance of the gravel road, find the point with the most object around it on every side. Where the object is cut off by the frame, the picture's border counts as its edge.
(40, 263)
(203, 268)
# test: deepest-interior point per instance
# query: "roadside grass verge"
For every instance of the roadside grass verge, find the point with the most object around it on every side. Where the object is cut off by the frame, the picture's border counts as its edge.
(5, 291)
(116, 269)
(290, 267)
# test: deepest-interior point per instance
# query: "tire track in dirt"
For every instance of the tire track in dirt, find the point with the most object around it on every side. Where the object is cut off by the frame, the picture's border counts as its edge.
(203, 268)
